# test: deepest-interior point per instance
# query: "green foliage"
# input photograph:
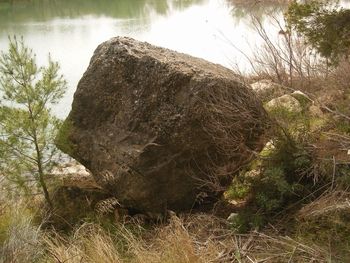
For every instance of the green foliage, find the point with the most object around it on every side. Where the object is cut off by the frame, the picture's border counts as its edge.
(238, 189)
(62, 140)
(280, 176)
(5, 222)
(247, 220)
(27, 126)
(343, 126)
(281, 179)
(326, 27)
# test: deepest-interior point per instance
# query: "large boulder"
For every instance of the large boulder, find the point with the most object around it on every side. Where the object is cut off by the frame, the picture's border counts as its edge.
(159, 129)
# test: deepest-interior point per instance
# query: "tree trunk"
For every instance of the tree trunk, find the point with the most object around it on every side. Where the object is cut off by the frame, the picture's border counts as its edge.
(41, 174)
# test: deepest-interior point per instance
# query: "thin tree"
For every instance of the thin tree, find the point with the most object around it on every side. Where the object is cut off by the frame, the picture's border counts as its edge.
(27, 126)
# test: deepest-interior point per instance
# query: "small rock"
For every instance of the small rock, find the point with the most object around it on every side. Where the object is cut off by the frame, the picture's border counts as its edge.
(304, 100)
(232, 217)
(286, 101)
(252, 173)
(73, 174)
(267, 90)
(300, 93)
(269, 145)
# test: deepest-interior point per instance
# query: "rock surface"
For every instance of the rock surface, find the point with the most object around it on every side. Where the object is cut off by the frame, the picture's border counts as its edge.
(159, 129)
(298, 93)
(287, 102)
(267, 90)
(73, 174)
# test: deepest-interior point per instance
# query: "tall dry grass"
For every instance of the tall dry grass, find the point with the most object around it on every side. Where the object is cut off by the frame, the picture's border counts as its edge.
(181, 240)
(88, 244)
(20, 238)
(92, 244)
(199, 238)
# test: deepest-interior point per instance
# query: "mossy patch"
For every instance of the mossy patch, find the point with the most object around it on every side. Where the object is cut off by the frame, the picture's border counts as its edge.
(62, 140)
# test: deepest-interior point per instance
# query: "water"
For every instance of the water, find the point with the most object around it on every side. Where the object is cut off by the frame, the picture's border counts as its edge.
(70, 30)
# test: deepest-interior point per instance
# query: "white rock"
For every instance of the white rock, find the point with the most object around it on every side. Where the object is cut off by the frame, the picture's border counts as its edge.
(232, 217)
(286, 101)
(266, 89)
(73, 174)
(252, 173)
(270, 145)
(70, 168)
(298, 92)
(262, 85)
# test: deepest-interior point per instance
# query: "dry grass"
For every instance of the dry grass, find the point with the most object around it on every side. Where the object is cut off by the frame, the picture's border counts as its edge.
(199, 238)
(88, 244)
(21, 239)
(92, 244)
(326, 204)
(326, 221)
(266, 248)
(196, 239)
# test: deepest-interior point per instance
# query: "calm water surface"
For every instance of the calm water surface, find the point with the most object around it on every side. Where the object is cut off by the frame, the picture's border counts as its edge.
(70, 30)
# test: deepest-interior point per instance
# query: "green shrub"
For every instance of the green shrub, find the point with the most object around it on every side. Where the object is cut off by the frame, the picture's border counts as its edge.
(325, 26)
(238, 189)
(247, 220)
(281, 174)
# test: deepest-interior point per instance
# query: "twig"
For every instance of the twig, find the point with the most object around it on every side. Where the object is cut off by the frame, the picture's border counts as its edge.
(334, 170)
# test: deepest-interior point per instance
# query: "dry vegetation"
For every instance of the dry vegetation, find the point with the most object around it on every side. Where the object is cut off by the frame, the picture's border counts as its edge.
(180, 241)
(197, 238)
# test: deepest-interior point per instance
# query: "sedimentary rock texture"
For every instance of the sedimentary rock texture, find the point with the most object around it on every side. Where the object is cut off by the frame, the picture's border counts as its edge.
(159, 129)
